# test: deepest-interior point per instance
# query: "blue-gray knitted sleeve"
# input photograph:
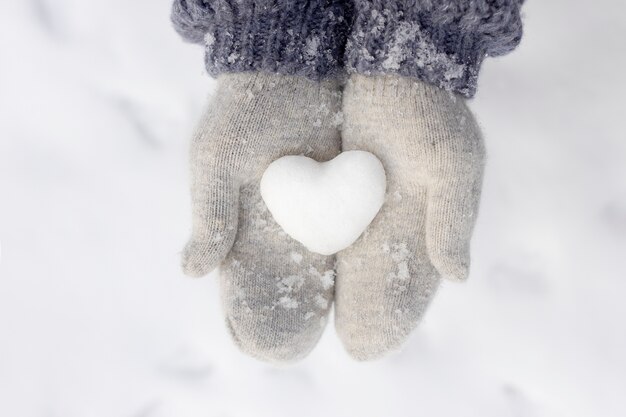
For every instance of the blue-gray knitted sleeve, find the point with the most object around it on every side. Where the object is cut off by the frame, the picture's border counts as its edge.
(442, 42)
(293, 37)
(192, 19)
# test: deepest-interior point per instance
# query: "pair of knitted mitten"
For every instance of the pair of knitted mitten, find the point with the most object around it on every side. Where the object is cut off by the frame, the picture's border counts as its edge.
(410, 66)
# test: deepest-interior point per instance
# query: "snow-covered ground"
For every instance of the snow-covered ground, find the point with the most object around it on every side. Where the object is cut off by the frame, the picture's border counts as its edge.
(97, 102)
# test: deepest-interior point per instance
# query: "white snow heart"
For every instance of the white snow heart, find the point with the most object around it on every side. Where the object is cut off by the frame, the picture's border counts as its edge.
(325, 205)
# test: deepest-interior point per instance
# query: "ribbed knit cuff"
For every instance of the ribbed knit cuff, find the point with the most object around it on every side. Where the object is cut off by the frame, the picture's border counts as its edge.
(439, 42)
(292, 37)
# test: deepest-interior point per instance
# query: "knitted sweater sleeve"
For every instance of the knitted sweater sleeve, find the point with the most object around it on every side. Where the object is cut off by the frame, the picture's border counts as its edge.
(293, 37)
(442, 42)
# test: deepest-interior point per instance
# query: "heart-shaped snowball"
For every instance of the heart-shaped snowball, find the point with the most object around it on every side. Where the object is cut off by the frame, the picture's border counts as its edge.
(325, 205)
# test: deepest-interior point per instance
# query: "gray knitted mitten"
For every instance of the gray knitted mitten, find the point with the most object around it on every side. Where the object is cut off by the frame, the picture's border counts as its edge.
(276, 294)
(433, 154)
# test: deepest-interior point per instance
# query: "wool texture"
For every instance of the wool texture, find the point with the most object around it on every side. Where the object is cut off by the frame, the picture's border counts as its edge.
(433, 154)
(292, 37)
(276, 294)
(442, 42)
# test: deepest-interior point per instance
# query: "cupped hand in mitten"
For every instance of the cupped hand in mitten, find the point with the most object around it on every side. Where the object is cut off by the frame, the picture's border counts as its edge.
(433, 155)
(276, 295)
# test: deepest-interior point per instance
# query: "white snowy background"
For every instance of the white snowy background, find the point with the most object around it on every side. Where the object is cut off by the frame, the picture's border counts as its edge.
(97, 103)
